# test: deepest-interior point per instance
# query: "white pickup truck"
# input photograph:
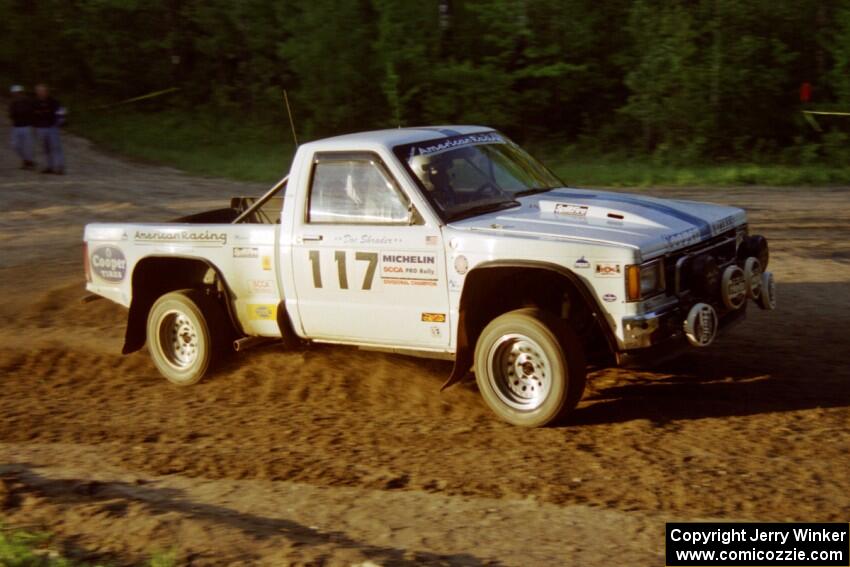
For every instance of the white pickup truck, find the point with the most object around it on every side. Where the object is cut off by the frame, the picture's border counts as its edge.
(447, 242)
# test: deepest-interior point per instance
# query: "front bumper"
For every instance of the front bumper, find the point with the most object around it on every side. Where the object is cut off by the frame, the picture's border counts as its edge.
(658, 336)
(706, 298)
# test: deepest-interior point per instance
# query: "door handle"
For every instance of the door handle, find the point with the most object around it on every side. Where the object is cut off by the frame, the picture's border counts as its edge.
(311, 237)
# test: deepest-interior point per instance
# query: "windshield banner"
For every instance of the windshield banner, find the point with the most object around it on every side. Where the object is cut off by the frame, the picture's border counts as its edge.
(435, 147)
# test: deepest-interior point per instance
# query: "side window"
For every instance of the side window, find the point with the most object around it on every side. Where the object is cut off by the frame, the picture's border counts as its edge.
(354, 191)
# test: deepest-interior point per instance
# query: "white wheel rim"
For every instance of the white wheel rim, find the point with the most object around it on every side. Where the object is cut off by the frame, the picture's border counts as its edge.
(519, 372)
(178, 339)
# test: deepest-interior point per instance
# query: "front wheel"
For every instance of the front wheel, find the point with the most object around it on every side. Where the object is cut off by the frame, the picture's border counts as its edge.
(530, 367)
(187, 333)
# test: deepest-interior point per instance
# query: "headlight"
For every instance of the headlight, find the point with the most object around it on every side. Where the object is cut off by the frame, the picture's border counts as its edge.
(645, 280)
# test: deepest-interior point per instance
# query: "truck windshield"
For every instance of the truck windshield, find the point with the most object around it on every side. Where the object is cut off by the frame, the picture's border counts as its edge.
(473, 174)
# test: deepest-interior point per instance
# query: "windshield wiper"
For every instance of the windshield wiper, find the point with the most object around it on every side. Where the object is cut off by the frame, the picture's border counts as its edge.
(533, 191)
(484, 208)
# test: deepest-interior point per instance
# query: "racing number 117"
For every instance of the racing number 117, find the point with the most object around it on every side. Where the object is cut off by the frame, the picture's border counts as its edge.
(342, 272)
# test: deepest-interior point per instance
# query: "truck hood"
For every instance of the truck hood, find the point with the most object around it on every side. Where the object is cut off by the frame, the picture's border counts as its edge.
(652, 226)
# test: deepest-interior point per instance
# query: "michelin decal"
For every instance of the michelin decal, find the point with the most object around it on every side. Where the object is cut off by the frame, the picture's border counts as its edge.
(409, 269)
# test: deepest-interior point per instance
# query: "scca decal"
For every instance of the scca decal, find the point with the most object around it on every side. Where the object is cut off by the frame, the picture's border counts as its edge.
(109, 263)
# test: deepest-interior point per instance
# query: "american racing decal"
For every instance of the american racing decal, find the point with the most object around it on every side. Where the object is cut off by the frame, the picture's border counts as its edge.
(408, 269)
(609, 297)
(262, 312)
(581, 263)
(109, 263)
(608, 270)
(571, 210)
(433, 317)
(243, 252)
(457, 142)
(198, 237)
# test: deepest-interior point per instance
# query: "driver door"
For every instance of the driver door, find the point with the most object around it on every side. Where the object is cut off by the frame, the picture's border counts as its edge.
(367, 268)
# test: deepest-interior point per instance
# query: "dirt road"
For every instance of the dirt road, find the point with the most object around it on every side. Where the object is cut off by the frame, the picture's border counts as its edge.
(335, 456)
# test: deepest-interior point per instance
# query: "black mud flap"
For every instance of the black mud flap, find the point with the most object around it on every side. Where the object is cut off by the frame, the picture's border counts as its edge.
(135, 335)
(460, 370)
(463, 357)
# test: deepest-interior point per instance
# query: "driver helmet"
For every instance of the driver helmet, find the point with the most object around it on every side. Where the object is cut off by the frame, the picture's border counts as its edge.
(430, 171)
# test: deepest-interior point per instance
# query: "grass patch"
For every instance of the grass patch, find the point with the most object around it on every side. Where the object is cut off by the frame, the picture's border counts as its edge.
(636, 171)
(22, 548)
(221, 145)
(201, 144)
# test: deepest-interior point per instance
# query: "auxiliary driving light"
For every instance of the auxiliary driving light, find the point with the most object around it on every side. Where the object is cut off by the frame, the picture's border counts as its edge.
(752, 275)
(701, 325)
(733, 288)
(767, 299)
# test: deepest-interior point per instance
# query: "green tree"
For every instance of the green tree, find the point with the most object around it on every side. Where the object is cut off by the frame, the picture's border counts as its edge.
(838, 45)
(330, 50)
(665, 77)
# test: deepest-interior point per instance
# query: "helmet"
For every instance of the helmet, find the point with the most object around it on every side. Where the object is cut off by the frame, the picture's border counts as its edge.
(422, 166)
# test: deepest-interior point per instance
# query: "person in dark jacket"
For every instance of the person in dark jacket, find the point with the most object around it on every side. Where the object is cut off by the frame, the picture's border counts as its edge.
(46, 115)
(20, 113)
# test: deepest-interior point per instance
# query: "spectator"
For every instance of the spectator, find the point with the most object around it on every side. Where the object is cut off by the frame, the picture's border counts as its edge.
(46, 119)
(20, 113)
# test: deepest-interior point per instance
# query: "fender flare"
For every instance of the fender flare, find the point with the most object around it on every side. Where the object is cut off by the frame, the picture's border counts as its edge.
(135, 335)
(465, 343)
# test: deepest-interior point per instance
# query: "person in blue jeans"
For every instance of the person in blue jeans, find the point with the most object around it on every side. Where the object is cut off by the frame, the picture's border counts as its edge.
(46, 115)
(20, 113)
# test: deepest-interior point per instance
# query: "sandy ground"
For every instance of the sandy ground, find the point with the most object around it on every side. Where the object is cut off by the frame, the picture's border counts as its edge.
(333, 456)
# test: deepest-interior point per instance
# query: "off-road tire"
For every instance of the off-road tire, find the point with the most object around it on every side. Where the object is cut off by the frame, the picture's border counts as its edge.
(188, 333)
(527, 347)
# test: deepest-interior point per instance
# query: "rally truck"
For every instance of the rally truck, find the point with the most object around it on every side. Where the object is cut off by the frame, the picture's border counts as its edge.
(449, 242)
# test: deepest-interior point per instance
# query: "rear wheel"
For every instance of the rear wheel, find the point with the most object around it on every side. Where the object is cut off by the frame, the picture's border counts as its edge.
(187, 334)
(530, 367)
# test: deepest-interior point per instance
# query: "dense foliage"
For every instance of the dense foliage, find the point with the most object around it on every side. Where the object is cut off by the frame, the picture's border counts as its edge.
(692, 78)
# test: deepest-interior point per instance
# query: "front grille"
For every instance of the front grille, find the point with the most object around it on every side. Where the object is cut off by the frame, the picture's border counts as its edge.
(680, 280)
